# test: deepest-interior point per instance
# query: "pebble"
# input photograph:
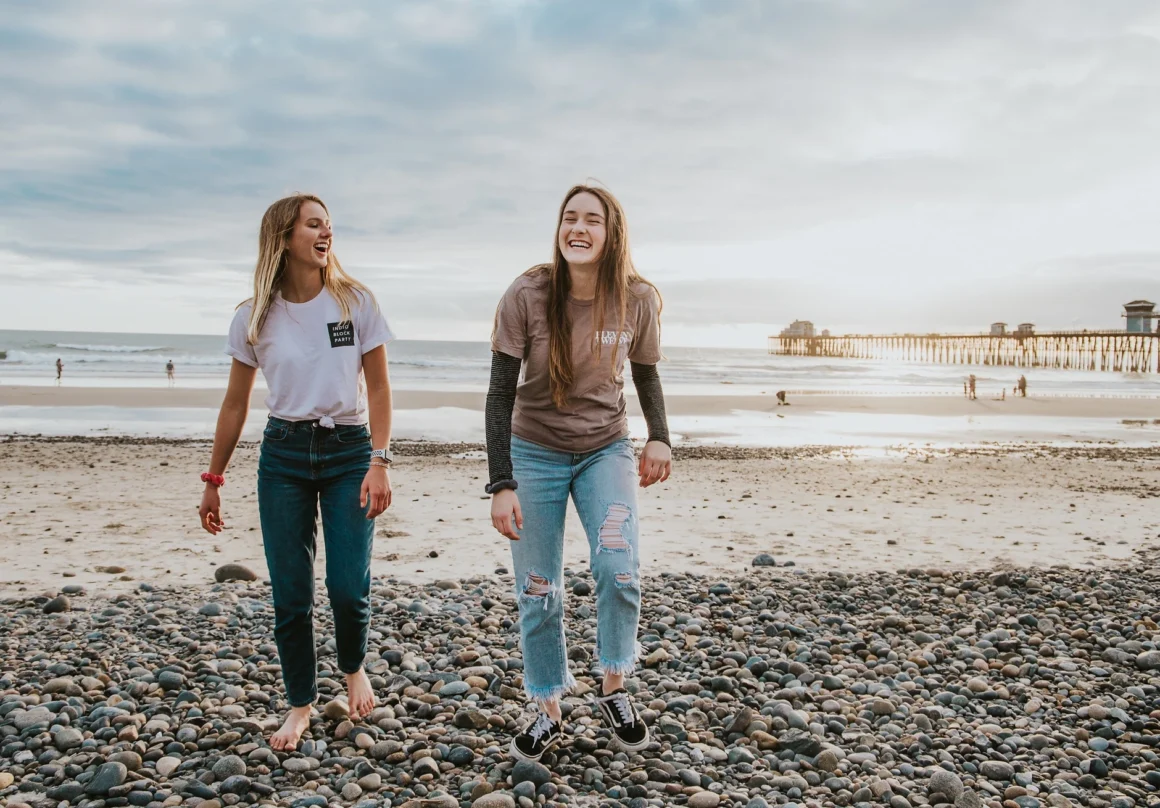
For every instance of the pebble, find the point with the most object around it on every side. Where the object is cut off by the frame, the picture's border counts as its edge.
(167, 765)
(107, 777)
(800, 688)
(229, 766)
(764, 560)
(234, 572)
(57, 605)
(496, 799)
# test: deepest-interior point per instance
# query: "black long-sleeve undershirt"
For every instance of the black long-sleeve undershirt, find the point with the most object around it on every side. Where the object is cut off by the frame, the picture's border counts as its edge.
(501, 402)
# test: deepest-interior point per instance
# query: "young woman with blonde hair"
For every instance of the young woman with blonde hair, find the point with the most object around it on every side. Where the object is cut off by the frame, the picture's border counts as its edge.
(319, 338)
(560, 430)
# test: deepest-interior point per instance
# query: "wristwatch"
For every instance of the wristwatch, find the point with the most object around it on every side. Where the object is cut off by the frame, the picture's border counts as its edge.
(384, 455)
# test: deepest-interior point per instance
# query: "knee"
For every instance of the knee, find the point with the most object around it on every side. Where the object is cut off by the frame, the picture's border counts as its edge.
(348, 598)
(539, 595)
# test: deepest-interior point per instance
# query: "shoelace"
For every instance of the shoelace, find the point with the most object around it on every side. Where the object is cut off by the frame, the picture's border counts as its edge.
(543, 724)
(623, 706)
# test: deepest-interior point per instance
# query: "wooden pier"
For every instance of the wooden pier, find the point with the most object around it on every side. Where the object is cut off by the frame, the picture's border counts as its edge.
(1116, 351)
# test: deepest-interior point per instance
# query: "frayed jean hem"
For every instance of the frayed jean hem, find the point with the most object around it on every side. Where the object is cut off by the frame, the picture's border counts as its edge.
(550, 692)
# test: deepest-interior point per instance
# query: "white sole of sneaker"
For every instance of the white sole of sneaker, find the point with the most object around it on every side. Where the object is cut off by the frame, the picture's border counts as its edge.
(634, 747)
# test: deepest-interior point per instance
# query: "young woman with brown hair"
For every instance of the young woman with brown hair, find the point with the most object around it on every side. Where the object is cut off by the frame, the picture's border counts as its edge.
(319, 338)
(561, 431)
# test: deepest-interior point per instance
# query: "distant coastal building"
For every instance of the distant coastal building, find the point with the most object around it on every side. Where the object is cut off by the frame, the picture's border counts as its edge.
(1140, 314)
(799, 329)
(1025, 330)
(825, 332)
(998, 329)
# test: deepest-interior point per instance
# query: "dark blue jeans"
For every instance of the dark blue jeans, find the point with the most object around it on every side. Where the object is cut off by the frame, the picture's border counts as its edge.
(304, 465)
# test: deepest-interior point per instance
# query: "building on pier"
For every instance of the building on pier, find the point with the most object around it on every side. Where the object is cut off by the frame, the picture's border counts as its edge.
(1025, 330)
(1139, 315)
(799, 329)
(998, 329)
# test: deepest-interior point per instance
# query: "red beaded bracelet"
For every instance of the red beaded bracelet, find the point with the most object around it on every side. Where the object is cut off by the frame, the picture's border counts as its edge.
(216, 480)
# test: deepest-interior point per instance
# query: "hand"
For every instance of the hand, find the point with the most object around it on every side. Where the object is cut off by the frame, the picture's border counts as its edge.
(656, 462)
(506, 515)
(376, 491)
(210, 511)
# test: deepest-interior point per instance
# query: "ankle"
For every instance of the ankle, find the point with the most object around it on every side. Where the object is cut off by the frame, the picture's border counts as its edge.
(552, 710)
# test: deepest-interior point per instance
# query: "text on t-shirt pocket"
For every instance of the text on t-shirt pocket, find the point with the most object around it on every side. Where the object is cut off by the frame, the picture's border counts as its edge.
(341, 334)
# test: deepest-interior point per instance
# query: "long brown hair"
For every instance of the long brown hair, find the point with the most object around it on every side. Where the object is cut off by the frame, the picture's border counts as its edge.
(273, 236)
(615, 281)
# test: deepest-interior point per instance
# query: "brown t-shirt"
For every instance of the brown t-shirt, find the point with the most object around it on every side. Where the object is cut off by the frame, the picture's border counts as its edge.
(596, 413)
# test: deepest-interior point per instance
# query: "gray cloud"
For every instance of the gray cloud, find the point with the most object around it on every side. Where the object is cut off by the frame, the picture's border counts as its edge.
(824, 143)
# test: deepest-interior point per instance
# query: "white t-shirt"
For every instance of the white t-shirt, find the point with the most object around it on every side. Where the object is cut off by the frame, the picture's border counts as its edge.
(312, 362)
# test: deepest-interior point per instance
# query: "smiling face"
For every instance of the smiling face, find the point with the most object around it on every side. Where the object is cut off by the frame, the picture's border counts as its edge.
(583, 229)
(309, 242)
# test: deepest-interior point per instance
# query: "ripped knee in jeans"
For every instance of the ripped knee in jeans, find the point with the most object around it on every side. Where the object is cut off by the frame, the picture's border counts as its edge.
(537, 588)
(626, 580)
(611, 538)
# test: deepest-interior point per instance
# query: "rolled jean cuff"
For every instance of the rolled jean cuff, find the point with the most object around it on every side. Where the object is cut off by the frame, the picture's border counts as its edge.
(297, 703)
(346, 669)
(550, 692)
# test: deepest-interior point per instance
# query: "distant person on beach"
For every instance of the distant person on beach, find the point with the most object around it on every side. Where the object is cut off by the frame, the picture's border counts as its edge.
(781, 402)
(169, 372)
(971, 387)
(319, 338)
(59, 369)
(562, 431)
(966, 393)
(1023, 386)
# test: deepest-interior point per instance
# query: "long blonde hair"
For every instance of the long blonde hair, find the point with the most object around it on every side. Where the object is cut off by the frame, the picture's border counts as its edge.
(615, 279)
(273, 236)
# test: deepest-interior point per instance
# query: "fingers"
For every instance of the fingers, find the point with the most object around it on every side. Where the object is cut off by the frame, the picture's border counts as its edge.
(364, 495)
(519, 519)
(212, 522)
(655, 471)
(503, 525)
(379, 501)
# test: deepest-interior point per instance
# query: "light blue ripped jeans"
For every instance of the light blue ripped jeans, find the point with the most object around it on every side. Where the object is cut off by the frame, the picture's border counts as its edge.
(602, 485)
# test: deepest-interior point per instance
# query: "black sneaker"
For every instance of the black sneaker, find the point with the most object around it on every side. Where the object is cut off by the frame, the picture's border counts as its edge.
(536, 739)
(621, 715)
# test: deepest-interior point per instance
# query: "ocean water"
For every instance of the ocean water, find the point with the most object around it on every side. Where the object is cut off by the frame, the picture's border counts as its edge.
(138, 360)
(132, 360)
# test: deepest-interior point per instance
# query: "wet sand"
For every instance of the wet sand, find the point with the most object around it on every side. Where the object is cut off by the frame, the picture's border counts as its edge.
(951, 404)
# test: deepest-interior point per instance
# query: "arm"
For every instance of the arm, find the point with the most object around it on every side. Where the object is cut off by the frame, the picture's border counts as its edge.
(506, 516)
(376, 489)
(656, 461)
(647, 381)
(231, 420)
(501, 402)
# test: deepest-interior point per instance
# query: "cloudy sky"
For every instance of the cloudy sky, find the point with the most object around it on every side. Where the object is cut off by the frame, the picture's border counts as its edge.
(873, 166)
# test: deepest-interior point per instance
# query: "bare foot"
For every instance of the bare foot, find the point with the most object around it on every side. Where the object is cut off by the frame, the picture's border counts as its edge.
(297, 720)
(360, 696)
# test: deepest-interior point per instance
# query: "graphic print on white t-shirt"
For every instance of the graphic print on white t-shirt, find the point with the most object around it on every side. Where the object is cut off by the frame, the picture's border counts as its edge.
(341, 334)
(307, 377)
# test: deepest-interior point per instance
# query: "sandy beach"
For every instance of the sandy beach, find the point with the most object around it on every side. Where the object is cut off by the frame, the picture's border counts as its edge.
(76, 508)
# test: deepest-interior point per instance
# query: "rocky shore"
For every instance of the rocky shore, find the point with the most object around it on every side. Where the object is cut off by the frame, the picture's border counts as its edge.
(1016, 688)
